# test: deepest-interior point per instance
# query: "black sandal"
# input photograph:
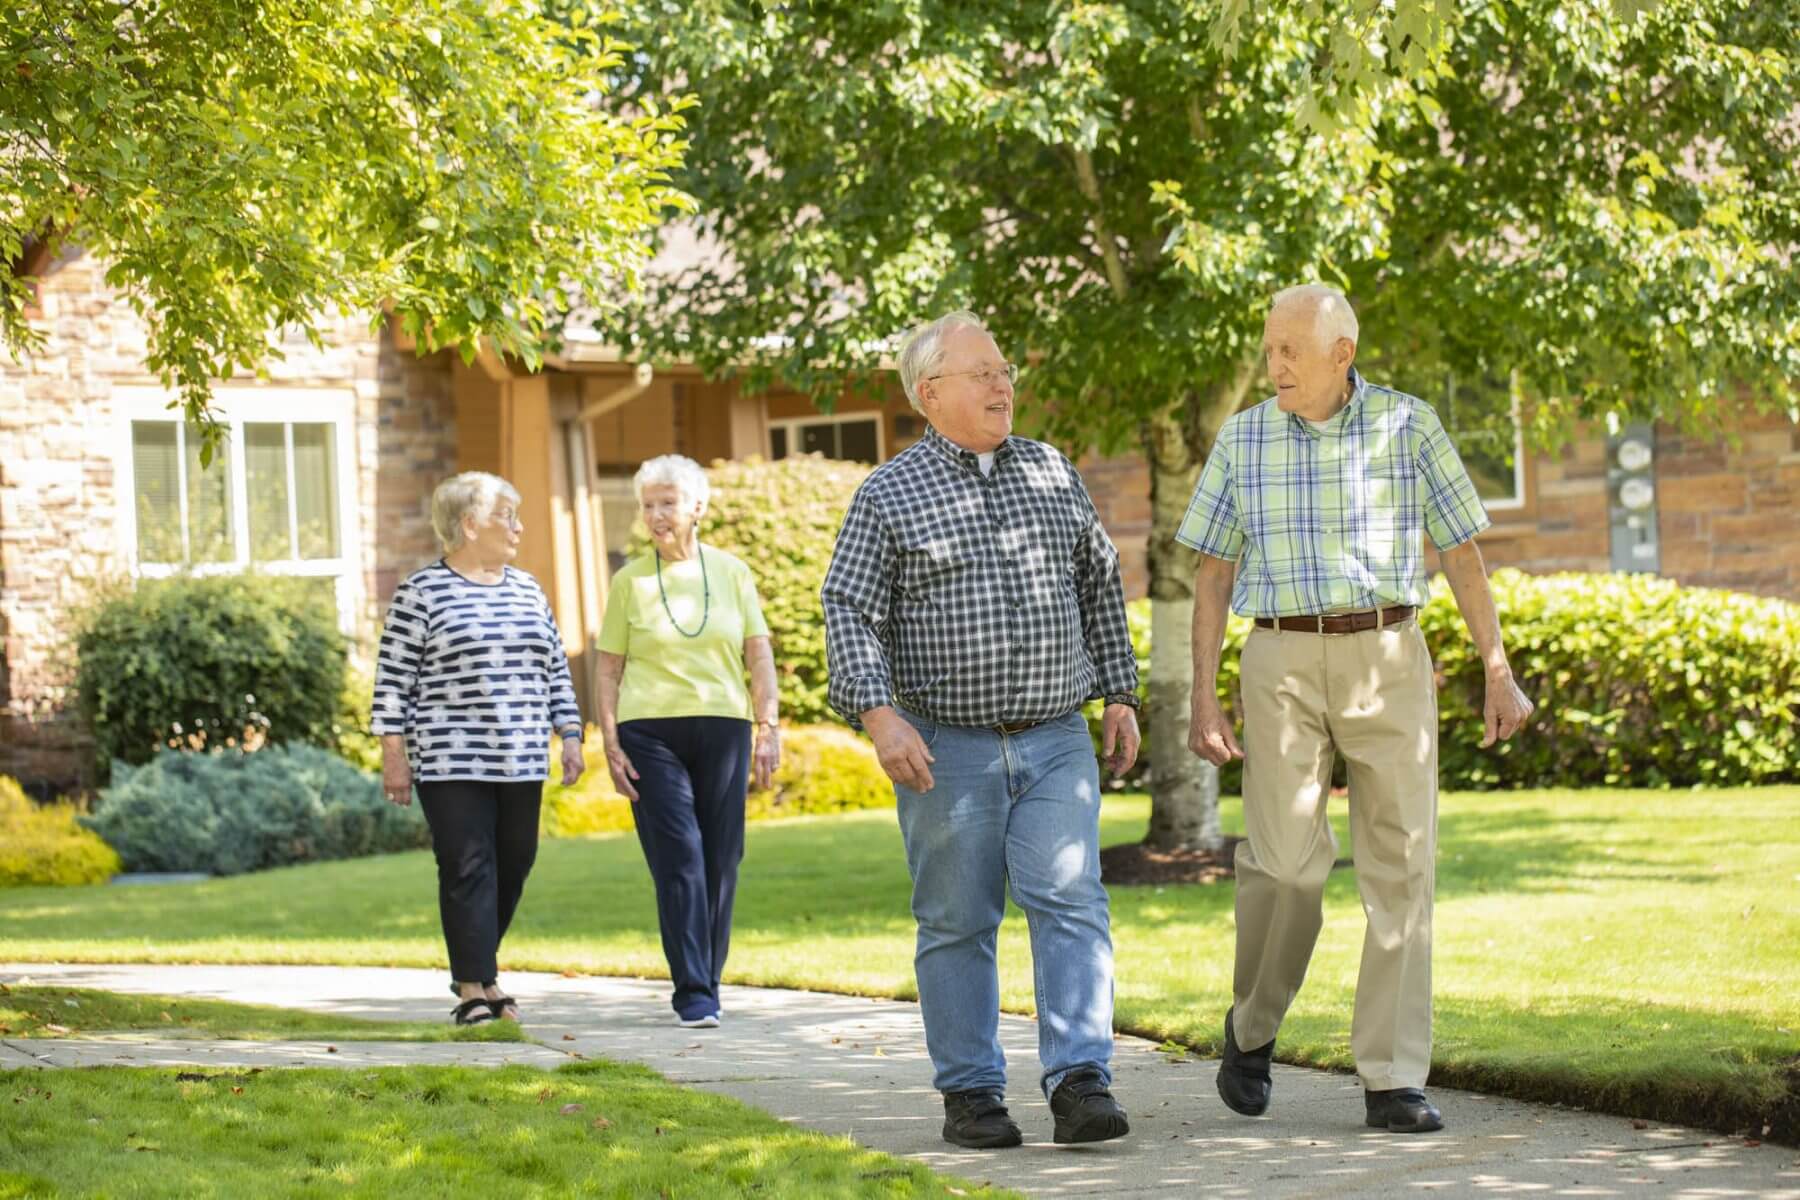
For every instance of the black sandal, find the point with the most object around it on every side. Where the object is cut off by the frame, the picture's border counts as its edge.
(500, 1003)
(470, 1012)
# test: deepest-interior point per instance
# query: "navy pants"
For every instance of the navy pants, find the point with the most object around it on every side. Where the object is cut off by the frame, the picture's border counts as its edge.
(692, 776)
(485, 837)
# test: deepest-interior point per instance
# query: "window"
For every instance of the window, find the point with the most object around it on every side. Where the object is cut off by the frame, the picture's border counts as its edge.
(855, 439)
(272, 498)
(1481, 415)
(618, 515)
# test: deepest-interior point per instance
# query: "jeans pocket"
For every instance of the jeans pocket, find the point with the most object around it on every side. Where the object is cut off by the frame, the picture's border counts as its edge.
(926, 729)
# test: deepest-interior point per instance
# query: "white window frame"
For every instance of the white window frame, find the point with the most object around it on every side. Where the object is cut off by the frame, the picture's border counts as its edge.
(235, 407)
(793, 425)
(1518, 427)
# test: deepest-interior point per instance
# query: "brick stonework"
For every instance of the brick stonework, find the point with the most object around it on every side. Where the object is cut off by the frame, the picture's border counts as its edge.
(1730, 515)
(59, 506)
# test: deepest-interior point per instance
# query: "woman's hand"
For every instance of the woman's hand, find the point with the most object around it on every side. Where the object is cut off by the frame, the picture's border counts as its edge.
(574, 763)
(396, 773)
(622, 772)
(765, 757)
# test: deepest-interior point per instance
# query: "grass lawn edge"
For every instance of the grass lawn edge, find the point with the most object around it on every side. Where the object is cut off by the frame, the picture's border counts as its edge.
(1705, 1106)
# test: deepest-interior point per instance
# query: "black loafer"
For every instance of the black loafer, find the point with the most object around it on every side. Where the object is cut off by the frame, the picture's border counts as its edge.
(977, 1120)
(1085, 1110)
(1244, 1082)
(1402, 1110)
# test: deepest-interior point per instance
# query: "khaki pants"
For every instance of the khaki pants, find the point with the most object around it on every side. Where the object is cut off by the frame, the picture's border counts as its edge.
(1369, 696)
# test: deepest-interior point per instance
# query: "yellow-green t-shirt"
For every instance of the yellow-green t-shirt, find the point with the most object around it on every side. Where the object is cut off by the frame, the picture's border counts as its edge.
(668, 674)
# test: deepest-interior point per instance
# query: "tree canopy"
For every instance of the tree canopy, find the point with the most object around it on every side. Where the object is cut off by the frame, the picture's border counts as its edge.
(1603, 210)
(240, 167)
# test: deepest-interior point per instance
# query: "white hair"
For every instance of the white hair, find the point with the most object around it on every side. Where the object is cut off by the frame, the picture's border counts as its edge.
(923, 350)
(677, 471)
(1333, 318)
(472, 492)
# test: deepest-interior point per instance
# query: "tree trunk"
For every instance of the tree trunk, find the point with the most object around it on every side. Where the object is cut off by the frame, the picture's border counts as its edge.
(1184, 788)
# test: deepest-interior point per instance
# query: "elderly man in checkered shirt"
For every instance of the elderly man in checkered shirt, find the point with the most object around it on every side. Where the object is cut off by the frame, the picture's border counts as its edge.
(1316, 500)
(973, 604)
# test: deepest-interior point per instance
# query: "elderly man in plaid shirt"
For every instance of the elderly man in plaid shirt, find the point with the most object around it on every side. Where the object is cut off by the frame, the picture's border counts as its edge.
(973, 604)
(1316, 500)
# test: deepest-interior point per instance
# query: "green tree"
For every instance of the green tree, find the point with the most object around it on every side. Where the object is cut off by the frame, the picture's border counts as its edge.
(1604, 211)
(245, 166)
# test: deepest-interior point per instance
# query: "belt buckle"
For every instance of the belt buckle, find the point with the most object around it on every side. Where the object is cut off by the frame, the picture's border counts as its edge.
(1319, 621)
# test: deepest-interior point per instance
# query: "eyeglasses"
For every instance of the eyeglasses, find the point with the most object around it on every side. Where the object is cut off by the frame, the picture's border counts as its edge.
(986, 376)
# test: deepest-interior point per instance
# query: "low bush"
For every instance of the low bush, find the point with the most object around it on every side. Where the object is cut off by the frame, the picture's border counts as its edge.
(227, 812)
(1638, 682)
(44, 844)
(200, 662)
(824, 769)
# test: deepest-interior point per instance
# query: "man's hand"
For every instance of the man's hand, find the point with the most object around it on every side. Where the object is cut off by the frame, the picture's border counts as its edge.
(1119, 738)
(573, 761)
(900, 749)
(1209, 734)
(1506, 709)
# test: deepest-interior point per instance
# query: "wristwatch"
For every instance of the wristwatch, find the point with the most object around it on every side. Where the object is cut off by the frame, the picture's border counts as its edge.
(1128, 699)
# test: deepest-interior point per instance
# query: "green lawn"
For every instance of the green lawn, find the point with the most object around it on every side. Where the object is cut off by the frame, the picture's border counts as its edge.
(587, 1129)
(1634, 951)
(59, 1012)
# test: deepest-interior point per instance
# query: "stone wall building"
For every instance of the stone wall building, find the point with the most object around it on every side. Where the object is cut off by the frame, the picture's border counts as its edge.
(100, 480)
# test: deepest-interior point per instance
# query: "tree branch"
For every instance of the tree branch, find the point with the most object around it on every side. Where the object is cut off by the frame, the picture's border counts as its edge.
(1089, 183)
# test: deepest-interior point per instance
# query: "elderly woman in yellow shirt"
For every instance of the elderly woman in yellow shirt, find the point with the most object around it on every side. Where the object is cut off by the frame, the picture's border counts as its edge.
(683, 735)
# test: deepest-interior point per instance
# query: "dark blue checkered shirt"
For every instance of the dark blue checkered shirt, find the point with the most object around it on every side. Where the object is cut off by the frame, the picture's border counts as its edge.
(974, 601)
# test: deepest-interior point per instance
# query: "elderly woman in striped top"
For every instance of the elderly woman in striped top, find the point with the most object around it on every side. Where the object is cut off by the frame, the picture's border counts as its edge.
(470, 680)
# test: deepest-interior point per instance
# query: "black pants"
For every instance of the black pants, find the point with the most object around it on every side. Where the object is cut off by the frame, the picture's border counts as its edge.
(485, 836)
(692, 776)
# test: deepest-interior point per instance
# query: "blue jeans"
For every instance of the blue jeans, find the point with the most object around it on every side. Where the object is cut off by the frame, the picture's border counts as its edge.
(1020, 809)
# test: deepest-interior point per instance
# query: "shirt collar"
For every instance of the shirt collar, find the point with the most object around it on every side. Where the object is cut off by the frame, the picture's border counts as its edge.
(957, 454)
(1340, 419)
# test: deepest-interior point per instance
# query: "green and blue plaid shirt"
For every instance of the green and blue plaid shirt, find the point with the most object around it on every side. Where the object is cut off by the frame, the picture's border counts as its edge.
(1326, 517)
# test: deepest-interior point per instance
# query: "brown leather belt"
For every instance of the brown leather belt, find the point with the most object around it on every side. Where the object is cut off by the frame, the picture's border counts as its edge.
(1340, 622)
(1014, 726)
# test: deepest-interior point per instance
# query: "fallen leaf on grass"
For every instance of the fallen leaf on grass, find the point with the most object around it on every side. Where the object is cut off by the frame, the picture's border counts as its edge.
(602, 1123)
(167, 1017)
(237, 1091)
(545, 1094)
(658, 1131)
(569, 1110)
(568, 1037)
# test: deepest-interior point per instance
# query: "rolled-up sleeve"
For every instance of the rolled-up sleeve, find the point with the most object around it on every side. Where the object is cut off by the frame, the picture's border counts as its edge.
(1101, 595)
(398, 657)
(1453, 510)
(1211, 524)
(856, 596)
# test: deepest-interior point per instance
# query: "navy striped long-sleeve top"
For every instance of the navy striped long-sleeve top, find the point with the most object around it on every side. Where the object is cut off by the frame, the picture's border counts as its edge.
(474, 676)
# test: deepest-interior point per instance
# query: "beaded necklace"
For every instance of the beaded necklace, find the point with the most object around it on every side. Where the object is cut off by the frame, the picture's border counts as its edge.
(706, 595)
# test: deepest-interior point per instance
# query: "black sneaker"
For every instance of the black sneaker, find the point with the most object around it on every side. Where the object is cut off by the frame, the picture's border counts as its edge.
(977, 1120)
(1244, 1081)
(1085, 1110)
(1402, 1110)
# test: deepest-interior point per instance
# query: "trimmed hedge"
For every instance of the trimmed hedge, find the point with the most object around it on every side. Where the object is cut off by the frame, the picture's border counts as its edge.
(201, 662)
(226, 813)
(782, 519)
(1639, 682)
(824, 769)
(44, 845)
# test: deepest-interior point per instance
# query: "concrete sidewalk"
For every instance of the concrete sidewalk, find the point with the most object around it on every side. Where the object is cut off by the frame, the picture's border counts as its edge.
(858, 1067)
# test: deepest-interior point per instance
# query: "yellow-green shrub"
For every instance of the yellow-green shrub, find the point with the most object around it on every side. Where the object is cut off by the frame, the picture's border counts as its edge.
(824, 769)
(44, 845)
